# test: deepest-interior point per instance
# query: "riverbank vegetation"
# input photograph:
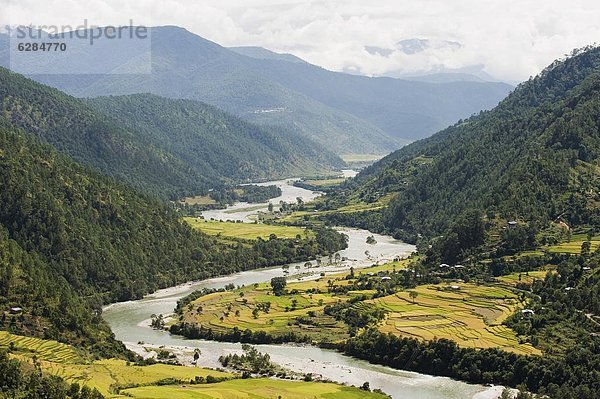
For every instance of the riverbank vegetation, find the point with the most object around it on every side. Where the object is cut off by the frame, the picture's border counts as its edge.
(220, 198)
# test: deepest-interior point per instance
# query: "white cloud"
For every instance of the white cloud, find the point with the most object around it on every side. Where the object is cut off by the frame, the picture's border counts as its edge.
(512, 39)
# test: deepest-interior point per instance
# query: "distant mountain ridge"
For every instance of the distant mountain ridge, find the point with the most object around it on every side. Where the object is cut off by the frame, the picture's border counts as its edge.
(344, 113)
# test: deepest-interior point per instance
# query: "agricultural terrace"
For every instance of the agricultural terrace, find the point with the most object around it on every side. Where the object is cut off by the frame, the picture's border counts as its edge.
(469, 314)
(105, 375)
(120, 379)
(261, 388)
(574, 245)
(300, 310)
(249, 231)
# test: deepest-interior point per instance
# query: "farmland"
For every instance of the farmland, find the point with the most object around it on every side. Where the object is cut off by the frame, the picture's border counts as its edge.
(248, 231)
(469, 314)
(573, 246)
(256, 388)
(116, 378)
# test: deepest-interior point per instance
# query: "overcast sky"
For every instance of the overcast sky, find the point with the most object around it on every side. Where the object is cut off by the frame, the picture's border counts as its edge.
(508, 39)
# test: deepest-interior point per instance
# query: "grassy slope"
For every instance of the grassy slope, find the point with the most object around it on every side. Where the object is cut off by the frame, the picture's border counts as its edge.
(245, 230)
(256, 389)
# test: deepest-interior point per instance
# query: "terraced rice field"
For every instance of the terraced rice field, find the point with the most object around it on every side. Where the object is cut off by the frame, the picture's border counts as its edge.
(574, 246)
(249, 231)
(65, 361)
(106, 375)
(471, 315)
(52, 351)
(526, 277)
(255, 389)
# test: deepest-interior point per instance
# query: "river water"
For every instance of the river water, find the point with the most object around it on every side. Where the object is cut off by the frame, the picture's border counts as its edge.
(130, 320)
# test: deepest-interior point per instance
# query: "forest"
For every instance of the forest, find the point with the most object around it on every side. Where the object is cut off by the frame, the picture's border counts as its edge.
(74, 240)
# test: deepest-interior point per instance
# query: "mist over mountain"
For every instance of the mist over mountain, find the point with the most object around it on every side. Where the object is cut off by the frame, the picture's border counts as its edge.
(344, 113)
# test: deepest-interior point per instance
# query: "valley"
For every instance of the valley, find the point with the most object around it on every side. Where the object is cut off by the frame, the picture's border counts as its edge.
(386, 218)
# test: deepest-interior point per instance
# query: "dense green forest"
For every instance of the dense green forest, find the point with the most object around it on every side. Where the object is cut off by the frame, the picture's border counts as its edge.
(73, 240)
(214, 143)
(533, 159)
(166, 148)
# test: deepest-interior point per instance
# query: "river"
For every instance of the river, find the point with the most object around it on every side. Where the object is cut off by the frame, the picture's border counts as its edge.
(130, 320)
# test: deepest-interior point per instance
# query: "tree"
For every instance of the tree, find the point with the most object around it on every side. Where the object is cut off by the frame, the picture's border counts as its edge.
(278, 285)
(270, 207)
(413, 295)
(196, 354)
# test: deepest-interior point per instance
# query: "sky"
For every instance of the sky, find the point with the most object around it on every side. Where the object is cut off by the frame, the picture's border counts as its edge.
(507, 39)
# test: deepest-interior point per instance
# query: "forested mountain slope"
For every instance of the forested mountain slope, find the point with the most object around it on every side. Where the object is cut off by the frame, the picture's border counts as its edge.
(200, 150)
(534, 158)
(214, 143)
(72, 240)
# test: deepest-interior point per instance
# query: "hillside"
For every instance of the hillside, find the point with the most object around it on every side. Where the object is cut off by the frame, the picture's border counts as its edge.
(345, 113)
(213, 143)
(136, 148)
(72, 240)
(532, 159)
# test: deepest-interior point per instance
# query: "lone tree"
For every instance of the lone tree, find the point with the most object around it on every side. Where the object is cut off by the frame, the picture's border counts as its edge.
(413, 295)
(278, 284)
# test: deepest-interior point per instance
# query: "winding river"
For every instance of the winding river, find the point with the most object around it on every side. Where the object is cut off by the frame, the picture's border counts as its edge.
(130, 320)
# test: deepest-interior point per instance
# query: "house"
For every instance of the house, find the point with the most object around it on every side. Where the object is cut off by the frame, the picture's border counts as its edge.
(16, 310)
(527, 313)
(512, 224)
(444, 265)
(386, 278)
(455, 287)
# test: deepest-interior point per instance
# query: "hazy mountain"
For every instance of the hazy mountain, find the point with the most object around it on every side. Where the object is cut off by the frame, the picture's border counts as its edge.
(345, 113)
(262, 53)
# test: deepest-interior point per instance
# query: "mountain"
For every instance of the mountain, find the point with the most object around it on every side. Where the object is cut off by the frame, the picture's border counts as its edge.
(164, 147)
(262, 53)
(215, 143)
(345, 113)
(532, 159)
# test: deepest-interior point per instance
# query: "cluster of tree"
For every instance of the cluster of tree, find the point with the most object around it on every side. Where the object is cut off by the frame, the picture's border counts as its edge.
(24, 381)
(355, 316)
(195, 331)
(251, 361)
(247, 193)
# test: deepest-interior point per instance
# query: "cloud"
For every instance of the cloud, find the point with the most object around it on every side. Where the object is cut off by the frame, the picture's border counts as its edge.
(510, 39)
